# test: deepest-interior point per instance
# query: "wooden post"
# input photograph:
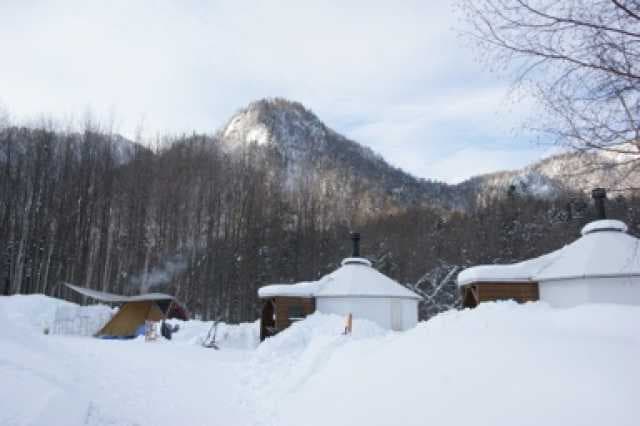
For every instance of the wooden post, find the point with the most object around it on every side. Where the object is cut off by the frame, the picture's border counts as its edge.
(348, 324)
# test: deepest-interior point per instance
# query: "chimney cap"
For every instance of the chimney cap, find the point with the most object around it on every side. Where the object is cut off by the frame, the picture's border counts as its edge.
(604, 225)
(355, 261)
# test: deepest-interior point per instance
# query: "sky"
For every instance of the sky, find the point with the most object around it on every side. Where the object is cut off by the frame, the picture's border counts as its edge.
(395, 76)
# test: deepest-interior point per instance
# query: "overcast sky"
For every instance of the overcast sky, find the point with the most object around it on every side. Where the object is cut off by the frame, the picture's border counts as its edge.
(391, 75)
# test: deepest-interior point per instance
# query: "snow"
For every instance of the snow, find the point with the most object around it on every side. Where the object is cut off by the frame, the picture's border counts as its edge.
(596, 254)
(245, 127)
(70, 380)
(283, 364)
(355, 278)
(355, 260)
(499, 364)
(35, 311)
(242, 336)
(605, 250)
(302, 289)
(515, 272)
(604, 224)
(360, 280)
(80, 320)
(112, 298)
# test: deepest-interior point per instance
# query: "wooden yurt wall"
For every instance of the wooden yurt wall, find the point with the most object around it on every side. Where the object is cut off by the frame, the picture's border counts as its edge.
(486, 292)
(286, 310)
(290, 308)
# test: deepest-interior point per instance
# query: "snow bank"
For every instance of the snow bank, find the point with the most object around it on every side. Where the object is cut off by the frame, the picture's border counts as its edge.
(283, 363)
(30, 372)
(228, 336)
(303, 335)
(39, 313)
(74, 381)
(80, 320)
(499, 364)
(36, 311)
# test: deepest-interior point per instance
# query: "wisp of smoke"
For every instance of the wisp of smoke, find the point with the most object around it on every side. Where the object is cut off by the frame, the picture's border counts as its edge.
(159, 275)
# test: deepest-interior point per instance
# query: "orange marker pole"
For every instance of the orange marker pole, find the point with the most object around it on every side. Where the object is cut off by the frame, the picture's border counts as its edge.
(348, 325)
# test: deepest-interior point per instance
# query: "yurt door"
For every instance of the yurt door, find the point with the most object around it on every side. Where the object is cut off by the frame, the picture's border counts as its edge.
(396, 315)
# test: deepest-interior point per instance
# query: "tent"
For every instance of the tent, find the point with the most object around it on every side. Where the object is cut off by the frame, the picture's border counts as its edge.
(134, 310)
(602, 266)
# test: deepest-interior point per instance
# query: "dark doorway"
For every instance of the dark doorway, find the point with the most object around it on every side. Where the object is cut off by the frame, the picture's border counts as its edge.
(267, 320)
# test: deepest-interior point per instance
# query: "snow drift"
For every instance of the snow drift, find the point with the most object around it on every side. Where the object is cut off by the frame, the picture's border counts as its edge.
(499, 364)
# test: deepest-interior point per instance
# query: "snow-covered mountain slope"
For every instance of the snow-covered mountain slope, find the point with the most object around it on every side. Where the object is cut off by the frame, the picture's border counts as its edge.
(290, 126)
(573, 172)
(123, 149)
(312, 152)
(309, 149)
(487, 366)
(584, 171)
(312, 158)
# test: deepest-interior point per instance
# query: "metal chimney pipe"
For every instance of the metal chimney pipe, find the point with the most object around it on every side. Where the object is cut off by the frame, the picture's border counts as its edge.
(355, 239)
(599, 196)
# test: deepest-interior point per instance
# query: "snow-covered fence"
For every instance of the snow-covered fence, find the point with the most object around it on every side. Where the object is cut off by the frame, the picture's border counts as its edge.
(80, 320)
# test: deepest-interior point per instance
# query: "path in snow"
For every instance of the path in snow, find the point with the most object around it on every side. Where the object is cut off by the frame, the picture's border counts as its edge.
(499, 364)
(67, 380)
(94, 382)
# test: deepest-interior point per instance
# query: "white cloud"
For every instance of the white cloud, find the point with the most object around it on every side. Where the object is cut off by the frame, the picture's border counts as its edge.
(390, 75)
(468, 162)
(417, 137)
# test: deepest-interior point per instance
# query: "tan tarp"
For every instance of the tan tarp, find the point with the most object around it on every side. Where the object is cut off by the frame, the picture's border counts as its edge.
(131, 316)
(117, 298)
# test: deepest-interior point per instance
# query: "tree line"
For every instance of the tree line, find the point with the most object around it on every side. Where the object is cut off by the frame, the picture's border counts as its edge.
(212, 224)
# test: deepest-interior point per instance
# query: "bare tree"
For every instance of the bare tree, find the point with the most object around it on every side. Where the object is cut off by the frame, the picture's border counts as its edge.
(579, 58)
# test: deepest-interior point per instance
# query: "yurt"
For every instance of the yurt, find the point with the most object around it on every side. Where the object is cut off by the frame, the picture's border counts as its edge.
(602, 266)
(355, 288)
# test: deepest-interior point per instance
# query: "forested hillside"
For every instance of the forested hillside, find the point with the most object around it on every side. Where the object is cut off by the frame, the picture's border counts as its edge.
(212, 221)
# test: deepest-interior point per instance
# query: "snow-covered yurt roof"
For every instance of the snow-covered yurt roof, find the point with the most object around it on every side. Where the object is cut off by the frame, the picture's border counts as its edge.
(603, 250)
(512, 273)
(354, 278)
(302, 289)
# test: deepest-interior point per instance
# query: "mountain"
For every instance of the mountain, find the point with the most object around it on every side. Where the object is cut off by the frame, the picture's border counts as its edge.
(572, 172)
(312, 152)
(332, 164)
(335, 169)
(268, 199)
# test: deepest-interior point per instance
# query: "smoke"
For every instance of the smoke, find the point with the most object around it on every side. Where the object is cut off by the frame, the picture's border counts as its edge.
(159, 275)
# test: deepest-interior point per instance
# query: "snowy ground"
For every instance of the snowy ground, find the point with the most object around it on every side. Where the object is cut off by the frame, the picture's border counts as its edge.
(500, 364)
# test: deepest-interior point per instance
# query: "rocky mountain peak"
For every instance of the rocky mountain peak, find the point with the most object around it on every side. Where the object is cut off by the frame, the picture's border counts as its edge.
(310, 151)
(274, 121)
(309, 148)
